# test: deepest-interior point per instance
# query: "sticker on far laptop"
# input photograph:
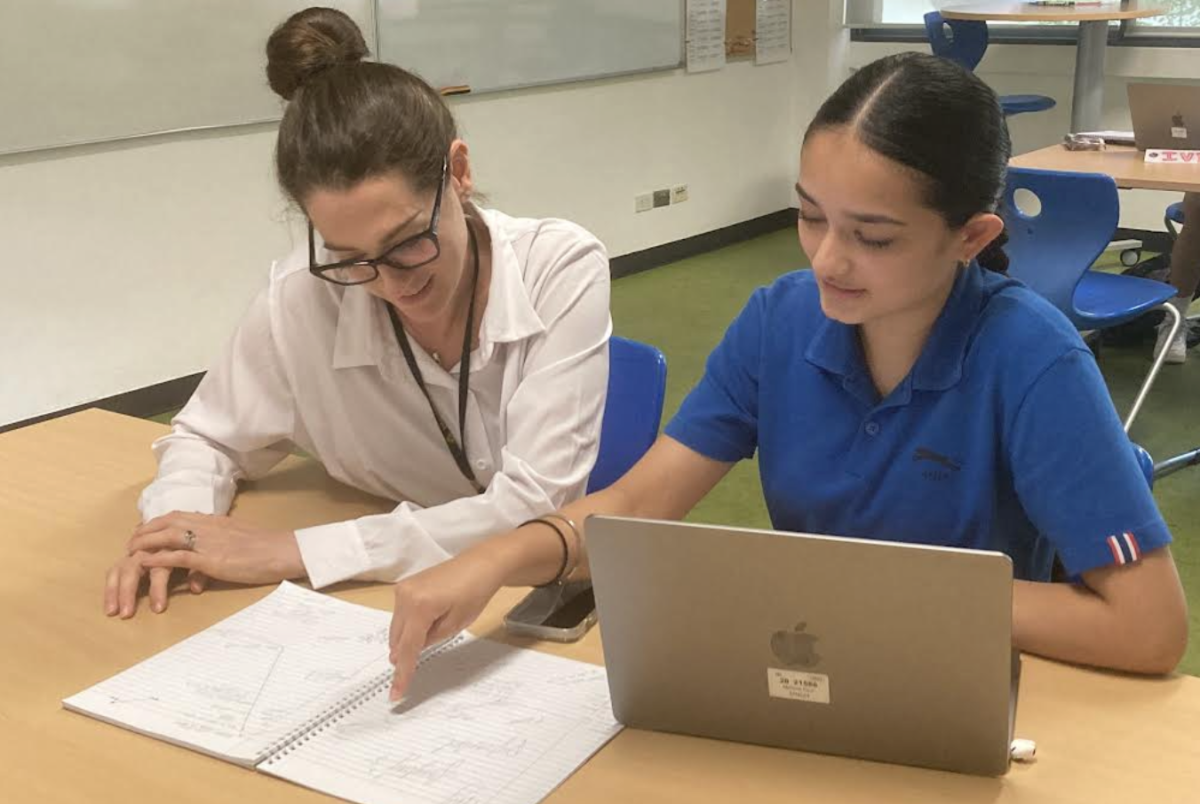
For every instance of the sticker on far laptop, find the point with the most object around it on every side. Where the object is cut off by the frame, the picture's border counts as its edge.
(795, 685)
(1172, 155)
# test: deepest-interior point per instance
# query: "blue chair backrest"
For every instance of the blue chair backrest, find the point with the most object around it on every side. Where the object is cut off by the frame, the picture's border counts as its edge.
(1050, 251)
(637, 384)
(1146, 463)
(961, 41)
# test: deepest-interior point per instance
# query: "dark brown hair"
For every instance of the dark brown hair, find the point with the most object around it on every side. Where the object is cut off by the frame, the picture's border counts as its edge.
(937, 119)
(347, 119)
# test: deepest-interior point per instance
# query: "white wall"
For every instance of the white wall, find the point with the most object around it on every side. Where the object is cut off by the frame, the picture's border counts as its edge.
(129, 264)
(1049, 70)
(582, 151)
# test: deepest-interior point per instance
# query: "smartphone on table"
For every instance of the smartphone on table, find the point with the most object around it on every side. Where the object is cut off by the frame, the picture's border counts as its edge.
(558, 613)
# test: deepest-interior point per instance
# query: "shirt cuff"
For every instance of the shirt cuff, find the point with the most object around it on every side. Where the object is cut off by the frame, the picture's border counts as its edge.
(192, 500)
(332, 553)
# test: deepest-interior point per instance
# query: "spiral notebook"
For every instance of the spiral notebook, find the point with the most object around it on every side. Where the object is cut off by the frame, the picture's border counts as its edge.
(296, 686)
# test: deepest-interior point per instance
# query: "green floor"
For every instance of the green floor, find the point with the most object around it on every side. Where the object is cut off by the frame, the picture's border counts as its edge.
(683, 308)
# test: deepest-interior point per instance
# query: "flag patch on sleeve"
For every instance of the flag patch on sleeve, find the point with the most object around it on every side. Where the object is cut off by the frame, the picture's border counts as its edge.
(1124, 548)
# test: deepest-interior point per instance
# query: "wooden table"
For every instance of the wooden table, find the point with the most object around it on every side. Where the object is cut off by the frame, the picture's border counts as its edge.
(1125, 164)
(1088, 98)
(67, 494)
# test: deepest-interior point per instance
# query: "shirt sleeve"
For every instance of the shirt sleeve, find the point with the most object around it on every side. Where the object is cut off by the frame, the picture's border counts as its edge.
(553, 431)
(719, 417)
(236, 425)
(1075, 471)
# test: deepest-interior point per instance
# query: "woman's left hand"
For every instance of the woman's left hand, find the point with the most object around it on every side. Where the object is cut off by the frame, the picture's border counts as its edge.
(218, 547)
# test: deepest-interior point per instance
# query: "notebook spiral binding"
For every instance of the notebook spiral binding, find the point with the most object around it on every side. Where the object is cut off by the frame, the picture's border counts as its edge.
(327, 717)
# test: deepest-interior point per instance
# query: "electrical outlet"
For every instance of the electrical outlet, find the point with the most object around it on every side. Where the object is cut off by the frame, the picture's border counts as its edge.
(662, 198)
(679, 194)
(643, 202)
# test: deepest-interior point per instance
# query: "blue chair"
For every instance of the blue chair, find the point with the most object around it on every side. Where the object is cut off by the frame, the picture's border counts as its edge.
(1174, 218)
(637, 384)
(1052, 247)
(964, 42)
(1146, 463)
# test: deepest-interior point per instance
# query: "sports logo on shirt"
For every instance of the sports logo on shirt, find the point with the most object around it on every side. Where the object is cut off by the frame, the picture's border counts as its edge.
(943, 467)
(1125, 548)
(926, 454)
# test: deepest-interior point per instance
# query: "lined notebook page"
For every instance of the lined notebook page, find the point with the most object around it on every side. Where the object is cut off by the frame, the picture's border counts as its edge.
(483, 723)
(237, 687)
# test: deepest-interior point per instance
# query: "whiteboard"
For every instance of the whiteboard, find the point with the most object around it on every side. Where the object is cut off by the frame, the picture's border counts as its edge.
(78, 71)
(504, 44)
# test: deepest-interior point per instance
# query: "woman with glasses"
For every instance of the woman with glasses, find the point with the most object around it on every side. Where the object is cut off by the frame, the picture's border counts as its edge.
(423, 349)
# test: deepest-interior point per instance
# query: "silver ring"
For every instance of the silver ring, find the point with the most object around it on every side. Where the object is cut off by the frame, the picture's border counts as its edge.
(189, 540)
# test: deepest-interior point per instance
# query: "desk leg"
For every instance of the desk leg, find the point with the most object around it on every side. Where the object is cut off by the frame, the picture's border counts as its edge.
(1088, 100)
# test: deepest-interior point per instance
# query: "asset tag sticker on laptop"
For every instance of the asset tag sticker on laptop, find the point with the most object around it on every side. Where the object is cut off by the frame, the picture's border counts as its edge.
(797, 686)
(1179, 132)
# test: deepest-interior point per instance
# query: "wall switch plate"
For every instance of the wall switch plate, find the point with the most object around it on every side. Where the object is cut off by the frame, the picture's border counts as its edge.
(679, 193)
(662, 198)
(643, 202)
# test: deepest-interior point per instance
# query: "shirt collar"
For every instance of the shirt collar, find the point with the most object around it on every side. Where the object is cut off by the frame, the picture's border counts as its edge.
(835, 346)
(364, 331)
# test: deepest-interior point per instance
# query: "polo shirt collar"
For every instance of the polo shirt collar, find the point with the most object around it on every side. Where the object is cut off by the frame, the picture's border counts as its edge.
(835, 346)
(940, 365)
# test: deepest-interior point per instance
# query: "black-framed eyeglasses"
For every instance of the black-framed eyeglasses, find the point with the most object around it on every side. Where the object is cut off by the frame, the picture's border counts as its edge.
(413, 252)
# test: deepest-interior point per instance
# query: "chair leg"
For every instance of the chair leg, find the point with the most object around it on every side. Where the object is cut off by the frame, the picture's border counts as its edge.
(1171, 230)
(1176, 323)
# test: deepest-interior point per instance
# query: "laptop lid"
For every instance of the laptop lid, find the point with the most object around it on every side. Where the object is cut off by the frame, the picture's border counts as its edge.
(875, 650)
(1165, 115)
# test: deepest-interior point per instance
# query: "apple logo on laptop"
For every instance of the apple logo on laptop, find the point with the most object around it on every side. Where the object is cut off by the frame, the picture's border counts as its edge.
(795, 647)
(1177, 120)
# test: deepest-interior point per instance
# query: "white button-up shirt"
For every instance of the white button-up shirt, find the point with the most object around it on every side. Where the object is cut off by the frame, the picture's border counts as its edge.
(317, 366)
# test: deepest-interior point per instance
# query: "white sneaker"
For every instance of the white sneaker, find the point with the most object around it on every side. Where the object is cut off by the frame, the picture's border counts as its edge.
(1177, 349)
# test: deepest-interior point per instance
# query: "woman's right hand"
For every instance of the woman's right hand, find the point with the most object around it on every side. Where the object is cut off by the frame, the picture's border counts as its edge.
(434, 605)
(124, 581)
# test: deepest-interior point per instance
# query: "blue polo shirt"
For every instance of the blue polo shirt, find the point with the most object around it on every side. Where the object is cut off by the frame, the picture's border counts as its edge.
(1002, 437)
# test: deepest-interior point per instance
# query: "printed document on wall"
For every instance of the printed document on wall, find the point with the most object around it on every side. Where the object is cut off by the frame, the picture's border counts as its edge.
(705, 35)
(773, 31)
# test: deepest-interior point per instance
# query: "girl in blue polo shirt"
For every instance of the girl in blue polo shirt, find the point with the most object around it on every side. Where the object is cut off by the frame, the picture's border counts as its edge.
(904, 389)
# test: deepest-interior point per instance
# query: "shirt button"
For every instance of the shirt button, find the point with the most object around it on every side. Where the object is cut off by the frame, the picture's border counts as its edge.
(481, 464)
(872, 428)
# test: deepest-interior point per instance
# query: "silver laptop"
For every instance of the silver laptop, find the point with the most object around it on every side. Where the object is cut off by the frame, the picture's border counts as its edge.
(1165, 115)
(876, 650)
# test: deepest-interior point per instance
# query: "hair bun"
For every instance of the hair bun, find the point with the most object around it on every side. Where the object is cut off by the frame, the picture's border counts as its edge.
(310, 42)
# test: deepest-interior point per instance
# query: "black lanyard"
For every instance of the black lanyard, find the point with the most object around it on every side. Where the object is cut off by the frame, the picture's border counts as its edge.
(459, 452)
